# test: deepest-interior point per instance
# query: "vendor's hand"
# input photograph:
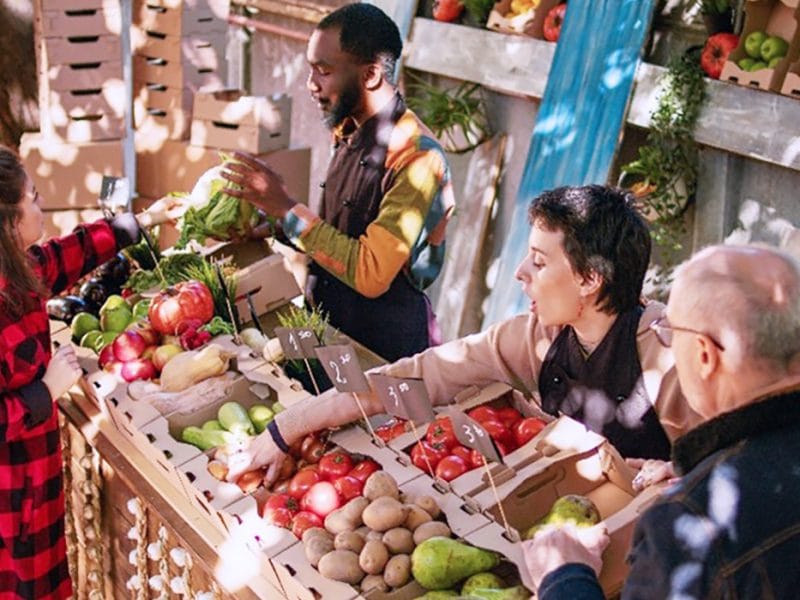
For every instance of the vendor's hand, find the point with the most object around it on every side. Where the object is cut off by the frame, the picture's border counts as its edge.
(168, 208)
(260, 185)
(260, 452)
(263, 229)
(651, 472)
(557, 545)
(62, 372)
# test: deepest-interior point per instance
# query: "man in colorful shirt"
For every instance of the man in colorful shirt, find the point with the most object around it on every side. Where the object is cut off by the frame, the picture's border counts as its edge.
(378, 240)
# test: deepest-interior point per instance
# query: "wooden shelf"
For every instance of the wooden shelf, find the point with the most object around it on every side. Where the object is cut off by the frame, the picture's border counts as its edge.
(760, 125)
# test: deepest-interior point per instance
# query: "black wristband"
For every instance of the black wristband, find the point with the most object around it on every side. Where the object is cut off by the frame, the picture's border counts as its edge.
(277, 437)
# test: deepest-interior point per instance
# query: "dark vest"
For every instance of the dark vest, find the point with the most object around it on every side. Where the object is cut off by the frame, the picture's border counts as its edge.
(605, 391)
(395, 324)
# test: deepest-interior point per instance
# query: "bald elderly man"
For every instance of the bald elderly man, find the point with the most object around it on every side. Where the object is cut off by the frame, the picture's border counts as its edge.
(731, 527)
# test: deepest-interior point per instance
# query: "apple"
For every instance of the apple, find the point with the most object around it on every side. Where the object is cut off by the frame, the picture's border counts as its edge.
(115, 368)
(106, 356)
(746, 64)
(145, 329)
(774, 47)
(752, 43)
(139, 368)
(758, 65)
(716, 51)
(773, 64)
(129, 345)
(163, 354)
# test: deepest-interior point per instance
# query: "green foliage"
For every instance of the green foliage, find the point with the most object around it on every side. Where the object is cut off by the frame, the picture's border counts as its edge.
(450, 112)
(141, 254)
(173, 269)
(295, 317)
(667, 163)
(715, 7)
(206, 273)
(478, 10)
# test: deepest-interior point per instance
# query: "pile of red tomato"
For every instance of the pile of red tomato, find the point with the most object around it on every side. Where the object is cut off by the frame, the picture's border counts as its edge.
(313, 483)
(449, 459)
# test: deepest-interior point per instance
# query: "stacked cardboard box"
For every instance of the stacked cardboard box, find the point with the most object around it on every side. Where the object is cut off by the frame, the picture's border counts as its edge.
(82, 107)
(178, 48)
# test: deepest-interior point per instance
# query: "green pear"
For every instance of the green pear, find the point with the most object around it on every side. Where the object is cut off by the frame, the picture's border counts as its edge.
(83, 323)
(571, 508)
(140, 309)
(91, 339)
(482, 580)
(513, 593)
(438, 595)
(116, 319)
(112, 302)
(439, 563)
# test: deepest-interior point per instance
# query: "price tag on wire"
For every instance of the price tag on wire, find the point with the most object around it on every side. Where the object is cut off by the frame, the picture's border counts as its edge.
(343, 368)
(403, 397)
(297, 342)
(470, 433)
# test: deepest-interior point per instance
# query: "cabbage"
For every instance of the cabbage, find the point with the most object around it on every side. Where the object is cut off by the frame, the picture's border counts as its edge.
(213, 213)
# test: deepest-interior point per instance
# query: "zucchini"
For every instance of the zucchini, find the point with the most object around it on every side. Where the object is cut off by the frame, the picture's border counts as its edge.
(212, 425)
(233, 417)
(205, 439)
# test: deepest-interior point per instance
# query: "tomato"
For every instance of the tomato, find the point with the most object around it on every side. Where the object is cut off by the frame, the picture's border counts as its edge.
(447, 10)
(463, 453)
(281, 487)
(434, 452)
(553, 22)
(177, 303)
(302, 482)
(451, 467)
(279, 510)
(483, 413)
(441, 432)
(288, 467)
(527, 429)
(321, 499)
(364, 469)
(280, 517)
(502, 448)
(508, 416)
(498, 432)
(334, 465)
(304, 520)
(348, 487)
(391, 429)
(476, 459)
(312, 449)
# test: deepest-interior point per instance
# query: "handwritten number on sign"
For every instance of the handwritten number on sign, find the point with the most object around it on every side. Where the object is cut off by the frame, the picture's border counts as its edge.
(393, 395)
(338, 378)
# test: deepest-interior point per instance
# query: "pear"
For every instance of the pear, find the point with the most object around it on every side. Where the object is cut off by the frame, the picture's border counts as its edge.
(482, 580)
(568, 509)
(439, 563)
(513, 593)
(438, 595)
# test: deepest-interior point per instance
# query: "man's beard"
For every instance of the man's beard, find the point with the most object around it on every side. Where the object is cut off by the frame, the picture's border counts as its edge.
(348, 101)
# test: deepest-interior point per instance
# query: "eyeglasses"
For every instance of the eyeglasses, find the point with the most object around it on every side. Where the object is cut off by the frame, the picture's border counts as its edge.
(663, 330)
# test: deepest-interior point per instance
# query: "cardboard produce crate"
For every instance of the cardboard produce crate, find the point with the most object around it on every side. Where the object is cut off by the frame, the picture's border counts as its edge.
(69, 175)
(229, 120)
(202, 50)
(176, 74)
(181, 18)
(175, 166)
(165, 111)
(598, 473)
(75, 21)
(76, 50)
(791, 83)
(529, 23)
(775, 17)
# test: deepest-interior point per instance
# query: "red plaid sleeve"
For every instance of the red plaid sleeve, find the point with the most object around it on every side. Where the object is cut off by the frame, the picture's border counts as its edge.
(22, 408)
(60, 262)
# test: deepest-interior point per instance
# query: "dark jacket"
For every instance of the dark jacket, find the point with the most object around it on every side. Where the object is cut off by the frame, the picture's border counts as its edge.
(731, 528)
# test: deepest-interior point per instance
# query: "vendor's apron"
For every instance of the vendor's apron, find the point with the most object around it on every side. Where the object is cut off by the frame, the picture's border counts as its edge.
(395, 324)
(605, 391)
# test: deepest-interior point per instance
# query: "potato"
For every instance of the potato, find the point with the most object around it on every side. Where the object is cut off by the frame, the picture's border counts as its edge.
(316, 546)
(337, 522)
(248, 482)
(348, 540)
(384, 513)
(315, 532)
(374, 535)
(373, 557)
(363, 531)
(397, 571)
(218, 469)
(429, 505)
(374, 582)
(379, 484)
(354, 508)
(341, 565)
(416, 517)
(429, 530)
(399, 541)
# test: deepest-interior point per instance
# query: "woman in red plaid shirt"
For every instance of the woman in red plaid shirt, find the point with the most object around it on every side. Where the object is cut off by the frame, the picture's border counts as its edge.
(33, 561)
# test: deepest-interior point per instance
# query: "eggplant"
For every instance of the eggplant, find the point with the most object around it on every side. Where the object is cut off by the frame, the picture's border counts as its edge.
(94, 293)
(115, 272)
(64, 308)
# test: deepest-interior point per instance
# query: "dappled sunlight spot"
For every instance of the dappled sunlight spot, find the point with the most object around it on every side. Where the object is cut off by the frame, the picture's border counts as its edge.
(562, 119)
(542, 346)
(598, 409)
(631, 411)
(54, 149)
(619, 65)
(590, 469)
(683, 577)
(723, 501)
(652, 379)
(571, 435)
(237, 563)
(410, 223)
(792, 153)
(695, 533)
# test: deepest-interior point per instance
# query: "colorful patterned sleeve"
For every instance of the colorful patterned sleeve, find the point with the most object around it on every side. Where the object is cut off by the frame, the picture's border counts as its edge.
(60, 262)
(370, 263)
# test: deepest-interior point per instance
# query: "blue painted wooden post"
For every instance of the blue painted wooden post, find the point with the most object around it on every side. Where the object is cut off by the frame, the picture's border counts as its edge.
(579, 121)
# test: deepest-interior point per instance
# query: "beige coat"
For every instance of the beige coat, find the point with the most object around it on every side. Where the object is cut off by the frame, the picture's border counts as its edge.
(512, 351)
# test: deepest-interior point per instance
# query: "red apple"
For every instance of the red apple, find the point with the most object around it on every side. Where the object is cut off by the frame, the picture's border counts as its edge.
(139, 368)
(115, 368)
(716, 52)
(106, 356)
(553, 21)
(143, 328)
(163, 354)
(129, 345)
